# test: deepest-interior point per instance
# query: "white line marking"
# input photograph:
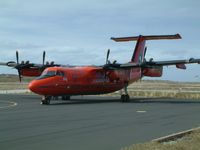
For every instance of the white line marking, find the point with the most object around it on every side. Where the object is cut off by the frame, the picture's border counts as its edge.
(141, 111)
(10, 104)
(175, 136)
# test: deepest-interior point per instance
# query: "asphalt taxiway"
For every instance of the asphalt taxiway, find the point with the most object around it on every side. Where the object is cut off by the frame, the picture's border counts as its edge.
(84, 123)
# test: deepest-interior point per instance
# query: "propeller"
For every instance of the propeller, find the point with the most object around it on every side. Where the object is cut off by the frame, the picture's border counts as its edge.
(145, 50)
(43, 60)
(107, 56)
(108, 53)
(19, 74)
(18, 66)
(144, 63)
(23, 65)
(17, 57)
(47, 63)
(144, 59)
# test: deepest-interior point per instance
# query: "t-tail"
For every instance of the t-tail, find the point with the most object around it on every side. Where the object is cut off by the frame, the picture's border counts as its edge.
(140, 49)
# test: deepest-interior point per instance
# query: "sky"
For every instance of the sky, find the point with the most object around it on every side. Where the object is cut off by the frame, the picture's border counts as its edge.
(78, 32)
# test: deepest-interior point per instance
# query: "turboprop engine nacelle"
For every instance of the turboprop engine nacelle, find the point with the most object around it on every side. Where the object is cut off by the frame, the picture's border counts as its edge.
(153, 71)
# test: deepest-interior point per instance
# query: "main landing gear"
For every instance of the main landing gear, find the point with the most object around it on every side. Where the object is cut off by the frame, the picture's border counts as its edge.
(125, 97)
(46, 99)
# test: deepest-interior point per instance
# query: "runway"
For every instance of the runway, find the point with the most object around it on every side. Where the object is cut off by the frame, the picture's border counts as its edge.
(87, 123)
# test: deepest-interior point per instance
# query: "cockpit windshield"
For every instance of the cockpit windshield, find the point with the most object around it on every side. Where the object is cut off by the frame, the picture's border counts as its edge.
(47, 74)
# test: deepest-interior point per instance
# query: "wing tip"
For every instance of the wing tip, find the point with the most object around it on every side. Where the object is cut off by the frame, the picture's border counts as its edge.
(178, 36)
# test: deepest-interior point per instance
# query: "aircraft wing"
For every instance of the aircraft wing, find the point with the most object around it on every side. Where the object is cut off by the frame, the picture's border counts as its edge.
(174, 62)
(178, 63)
(3, 64)
(27, 65)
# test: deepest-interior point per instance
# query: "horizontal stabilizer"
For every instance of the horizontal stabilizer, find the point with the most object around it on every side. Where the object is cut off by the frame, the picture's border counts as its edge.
(148, 37)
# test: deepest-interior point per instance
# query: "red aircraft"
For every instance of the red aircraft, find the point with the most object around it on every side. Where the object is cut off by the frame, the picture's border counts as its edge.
(65, 81)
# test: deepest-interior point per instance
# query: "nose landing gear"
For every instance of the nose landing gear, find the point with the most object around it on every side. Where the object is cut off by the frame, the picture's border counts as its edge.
(65, 97)
(46, 100)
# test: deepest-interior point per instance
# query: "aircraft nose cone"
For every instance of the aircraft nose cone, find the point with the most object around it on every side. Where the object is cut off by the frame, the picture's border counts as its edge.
(32, 86)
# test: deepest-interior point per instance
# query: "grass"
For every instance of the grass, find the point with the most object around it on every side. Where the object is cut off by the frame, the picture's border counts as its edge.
(11, 82)
(13, 86)
(7, 78)
(163, 89)
(188, 142)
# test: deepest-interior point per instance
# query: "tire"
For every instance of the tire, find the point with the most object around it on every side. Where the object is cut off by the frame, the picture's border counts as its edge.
(125, 98)
(65, 97)
(46, 100)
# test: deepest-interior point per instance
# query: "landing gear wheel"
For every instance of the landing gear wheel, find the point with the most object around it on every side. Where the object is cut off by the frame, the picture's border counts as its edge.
(65, 97)
(125, 98)
(46, 100)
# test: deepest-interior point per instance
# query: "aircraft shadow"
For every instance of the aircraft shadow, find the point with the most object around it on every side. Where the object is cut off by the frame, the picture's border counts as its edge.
(133, 100)
(85, 101)
(164, 100)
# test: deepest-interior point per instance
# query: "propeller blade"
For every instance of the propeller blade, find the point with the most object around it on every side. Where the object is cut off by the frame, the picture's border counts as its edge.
(11, 64)
(108, 53)
(43, 60)
(19, 74)
(17, 57)
(145, 50)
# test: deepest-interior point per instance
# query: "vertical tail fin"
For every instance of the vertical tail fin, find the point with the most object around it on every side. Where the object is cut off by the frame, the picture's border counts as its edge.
(140, 50)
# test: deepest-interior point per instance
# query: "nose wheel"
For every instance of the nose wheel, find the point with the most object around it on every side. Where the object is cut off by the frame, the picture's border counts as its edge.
(46, 100)
(65, 97)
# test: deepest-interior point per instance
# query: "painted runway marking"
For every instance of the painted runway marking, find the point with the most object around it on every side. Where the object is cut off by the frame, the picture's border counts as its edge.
(8, 104)
(141, 111)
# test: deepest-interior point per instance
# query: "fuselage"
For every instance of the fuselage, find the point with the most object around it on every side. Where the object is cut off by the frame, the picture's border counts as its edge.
(87, 80)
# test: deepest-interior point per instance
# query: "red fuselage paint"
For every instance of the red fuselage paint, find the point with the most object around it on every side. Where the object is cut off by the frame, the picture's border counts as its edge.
(83, 81)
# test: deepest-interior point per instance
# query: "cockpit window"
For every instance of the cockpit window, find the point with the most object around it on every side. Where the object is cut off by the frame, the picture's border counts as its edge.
(47, 74)
(60, 73)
